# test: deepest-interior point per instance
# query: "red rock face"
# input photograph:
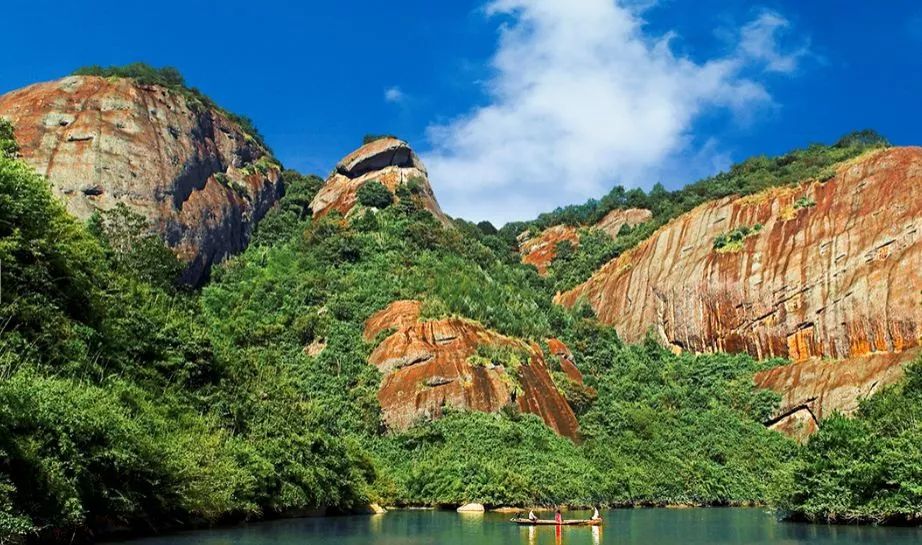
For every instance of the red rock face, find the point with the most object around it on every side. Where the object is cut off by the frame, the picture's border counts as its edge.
(565, 357)
(188, 169)
(814, 389)
(541, 250)
(838, 279)
(426, 367)
(389, 161)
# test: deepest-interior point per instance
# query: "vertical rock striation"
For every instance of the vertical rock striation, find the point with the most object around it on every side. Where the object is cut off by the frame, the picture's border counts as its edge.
(834, 272)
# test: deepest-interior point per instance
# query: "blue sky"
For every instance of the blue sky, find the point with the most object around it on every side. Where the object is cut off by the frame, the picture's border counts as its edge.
(516, 106)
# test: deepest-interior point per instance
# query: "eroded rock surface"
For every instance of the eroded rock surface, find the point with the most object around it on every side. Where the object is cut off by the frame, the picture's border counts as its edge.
(387, 160)
(541, 250)
(814, 389)
(618, 218)
(835, 271)
(200, 180)
(427, 367)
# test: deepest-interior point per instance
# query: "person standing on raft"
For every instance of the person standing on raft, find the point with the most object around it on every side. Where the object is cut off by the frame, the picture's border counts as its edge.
(595, 514)
(531, 516)
(558, 518)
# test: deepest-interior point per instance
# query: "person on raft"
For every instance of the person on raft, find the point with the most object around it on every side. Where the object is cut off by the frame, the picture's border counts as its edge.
(558, 518)
(531, 516)
(595, 514)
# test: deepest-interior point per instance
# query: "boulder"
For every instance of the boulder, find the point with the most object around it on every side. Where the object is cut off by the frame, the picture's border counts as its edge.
(619, 217)
(428, 365)
(200, 180)
(471, 508)
(814, 389)
(388, 161)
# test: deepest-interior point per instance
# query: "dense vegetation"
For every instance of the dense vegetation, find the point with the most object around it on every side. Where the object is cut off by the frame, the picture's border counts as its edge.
(117, 409)
(867, 468)
(751, 176)
(129, 402)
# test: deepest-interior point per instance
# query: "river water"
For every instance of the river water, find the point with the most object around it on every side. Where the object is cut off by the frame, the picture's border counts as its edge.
(622, 526)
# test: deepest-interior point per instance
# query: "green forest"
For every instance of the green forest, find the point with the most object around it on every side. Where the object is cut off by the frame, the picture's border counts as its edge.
(130, 402)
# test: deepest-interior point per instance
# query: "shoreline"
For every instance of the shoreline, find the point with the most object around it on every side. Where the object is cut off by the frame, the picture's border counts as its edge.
(128, 535)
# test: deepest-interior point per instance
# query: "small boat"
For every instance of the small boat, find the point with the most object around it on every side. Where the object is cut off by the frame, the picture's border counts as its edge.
(543, 522)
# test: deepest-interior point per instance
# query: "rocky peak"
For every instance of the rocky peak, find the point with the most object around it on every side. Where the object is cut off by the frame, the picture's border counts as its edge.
(389, 161)
(199, 178)
(378, 155)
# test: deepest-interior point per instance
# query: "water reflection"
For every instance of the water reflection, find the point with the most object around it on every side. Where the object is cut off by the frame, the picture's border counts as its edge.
(621, 527)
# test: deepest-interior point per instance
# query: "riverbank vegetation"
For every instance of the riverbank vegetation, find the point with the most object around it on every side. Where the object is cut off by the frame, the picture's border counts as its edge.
(867, 468)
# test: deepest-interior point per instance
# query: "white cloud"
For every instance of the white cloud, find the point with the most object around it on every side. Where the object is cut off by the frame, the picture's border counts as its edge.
(759, 41)
(394, 95)
(582, 99)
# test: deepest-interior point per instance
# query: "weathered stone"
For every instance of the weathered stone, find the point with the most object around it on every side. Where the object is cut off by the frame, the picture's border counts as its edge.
(389, 161)
(471, 508)
(839, 279)
(187, 168)
(426, 367)
(397, 315)
(619, 217)
(565, 357)
(541, 250)
(812, 390)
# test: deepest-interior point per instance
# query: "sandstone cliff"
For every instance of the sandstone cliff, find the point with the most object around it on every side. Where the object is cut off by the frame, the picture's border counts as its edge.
(833, 272)
(200, 180)
(387, 160)
(428, 365)
(541, 250)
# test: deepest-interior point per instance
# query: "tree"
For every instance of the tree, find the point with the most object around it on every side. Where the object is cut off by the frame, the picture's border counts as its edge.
(487, 228)
(374, 195)
(133, 248)
(8, 147)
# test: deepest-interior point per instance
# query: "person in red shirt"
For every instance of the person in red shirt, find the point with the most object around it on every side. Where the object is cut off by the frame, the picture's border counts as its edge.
(558, 518)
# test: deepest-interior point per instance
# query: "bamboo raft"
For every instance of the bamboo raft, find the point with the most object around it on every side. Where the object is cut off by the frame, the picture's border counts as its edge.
(543, 522)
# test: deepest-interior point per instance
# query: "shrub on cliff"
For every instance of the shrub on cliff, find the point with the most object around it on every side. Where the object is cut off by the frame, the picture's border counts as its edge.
(145, 74)
(8, 146)
(374, 195)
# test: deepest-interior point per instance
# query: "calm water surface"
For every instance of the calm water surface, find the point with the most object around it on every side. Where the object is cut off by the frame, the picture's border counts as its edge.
(623, 526)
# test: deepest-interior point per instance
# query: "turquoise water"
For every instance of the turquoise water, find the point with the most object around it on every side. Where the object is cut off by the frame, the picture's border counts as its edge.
(622, 526)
